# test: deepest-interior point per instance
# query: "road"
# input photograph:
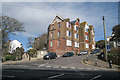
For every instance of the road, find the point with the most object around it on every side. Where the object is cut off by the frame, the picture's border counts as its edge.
(59, 68)
(74, 62)
(30, 74)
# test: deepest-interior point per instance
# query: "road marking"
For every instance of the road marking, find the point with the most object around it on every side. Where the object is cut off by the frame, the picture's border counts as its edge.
(88, 68)
(41, 65)
(10, 76)
(55, 66)
(80, 68)
(19, 65)
(49, 66)
(95, 77)
(63, 67)
(15, 70)
(56, 76)
(72, 67)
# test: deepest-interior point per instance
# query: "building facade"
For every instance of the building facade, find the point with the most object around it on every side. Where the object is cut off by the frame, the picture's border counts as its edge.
(70, 36)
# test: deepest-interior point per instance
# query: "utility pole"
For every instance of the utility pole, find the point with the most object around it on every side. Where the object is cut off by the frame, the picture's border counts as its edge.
(106, 59)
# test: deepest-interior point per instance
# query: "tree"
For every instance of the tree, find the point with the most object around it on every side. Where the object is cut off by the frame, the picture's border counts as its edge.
(30, 42)
(9, 26)
(116, 33)
(40, 42)
(18, 53)
(100, 44)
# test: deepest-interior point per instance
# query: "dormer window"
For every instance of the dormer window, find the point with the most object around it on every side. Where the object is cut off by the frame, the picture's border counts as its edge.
(68, 25)
(52, 26)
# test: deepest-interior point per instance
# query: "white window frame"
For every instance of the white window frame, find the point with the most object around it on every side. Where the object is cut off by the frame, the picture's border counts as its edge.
(68, 43)
(51, 34)
(51, 44)
(68, 24)
(59, 24)
(58, 42)
(68, 32)
(87, 45)
(76, 44)
(59, 33)
(75, 36)
(86, 37)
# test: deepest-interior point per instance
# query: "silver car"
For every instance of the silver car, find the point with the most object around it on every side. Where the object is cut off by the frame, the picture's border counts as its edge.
(83, 53)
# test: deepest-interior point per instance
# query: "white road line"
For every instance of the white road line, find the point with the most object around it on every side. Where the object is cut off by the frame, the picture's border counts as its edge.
(15, 70)
(55, 66)
(41, 65)
(80, 68)
(72, 67)
(63, 67)
(88, 68)
(56, 76)
(10, 76)
(95, 77)
(48, 66)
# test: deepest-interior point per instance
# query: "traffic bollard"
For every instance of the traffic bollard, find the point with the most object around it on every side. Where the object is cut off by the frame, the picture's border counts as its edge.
(95, 62)
(110, 64)
(87, 58)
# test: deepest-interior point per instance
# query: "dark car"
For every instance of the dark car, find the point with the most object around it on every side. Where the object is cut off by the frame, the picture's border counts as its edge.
(95, 51)
(68, 54)
(50, 55)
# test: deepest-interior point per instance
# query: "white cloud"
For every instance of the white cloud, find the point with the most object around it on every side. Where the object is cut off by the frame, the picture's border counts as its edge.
(37, 16)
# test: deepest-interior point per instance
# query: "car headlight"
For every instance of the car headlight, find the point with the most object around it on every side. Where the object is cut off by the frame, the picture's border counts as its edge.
(47, 56)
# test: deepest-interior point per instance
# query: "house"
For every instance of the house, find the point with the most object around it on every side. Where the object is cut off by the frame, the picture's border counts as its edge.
(13, 45)
(70, 36)
(112, 43)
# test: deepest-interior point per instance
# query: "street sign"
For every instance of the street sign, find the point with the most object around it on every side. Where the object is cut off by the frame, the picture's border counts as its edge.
(108, 47)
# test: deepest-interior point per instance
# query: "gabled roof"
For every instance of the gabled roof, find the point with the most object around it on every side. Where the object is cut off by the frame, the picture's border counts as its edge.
(57, 18)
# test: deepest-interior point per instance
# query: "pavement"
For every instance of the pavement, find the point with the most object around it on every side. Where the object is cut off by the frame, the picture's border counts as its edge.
(91, 60)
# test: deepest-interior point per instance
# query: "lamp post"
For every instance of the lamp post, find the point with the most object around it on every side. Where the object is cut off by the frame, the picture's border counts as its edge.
(106, 59)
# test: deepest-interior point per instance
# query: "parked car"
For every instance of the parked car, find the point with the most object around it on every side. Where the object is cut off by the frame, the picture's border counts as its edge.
(50, 55)
(68, 54)
(83, 53)
(95, 51)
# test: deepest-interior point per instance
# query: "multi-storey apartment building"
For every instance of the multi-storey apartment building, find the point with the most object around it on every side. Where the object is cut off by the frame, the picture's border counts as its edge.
(65, 36)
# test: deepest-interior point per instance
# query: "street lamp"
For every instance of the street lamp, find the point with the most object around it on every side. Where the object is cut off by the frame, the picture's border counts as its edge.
(105, 40)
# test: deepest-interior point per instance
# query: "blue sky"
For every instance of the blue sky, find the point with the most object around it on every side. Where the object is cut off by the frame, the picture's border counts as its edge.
(36, 16)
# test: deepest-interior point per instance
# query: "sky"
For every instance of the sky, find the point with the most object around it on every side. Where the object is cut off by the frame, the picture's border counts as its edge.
(36, 16)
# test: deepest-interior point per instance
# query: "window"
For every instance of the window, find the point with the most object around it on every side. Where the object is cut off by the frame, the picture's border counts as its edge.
(58, 42)
(51, 34)
(86, 37)
(51, 44)
(93, 46)
(68, 24)
(76, 44)
(76, 27)
(59, 25)
(87, 45)
(86, 29)
(52, 26)
(59, 33)
(77, 36)
(68, 33)
(68, 43)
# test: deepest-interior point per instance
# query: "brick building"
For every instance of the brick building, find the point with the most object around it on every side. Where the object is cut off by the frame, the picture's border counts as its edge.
(65, 36)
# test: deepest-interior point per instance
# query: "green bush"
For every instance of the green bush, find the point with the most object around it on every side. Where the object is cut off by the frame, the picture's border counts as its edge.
(114, 60)
(9, 57)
